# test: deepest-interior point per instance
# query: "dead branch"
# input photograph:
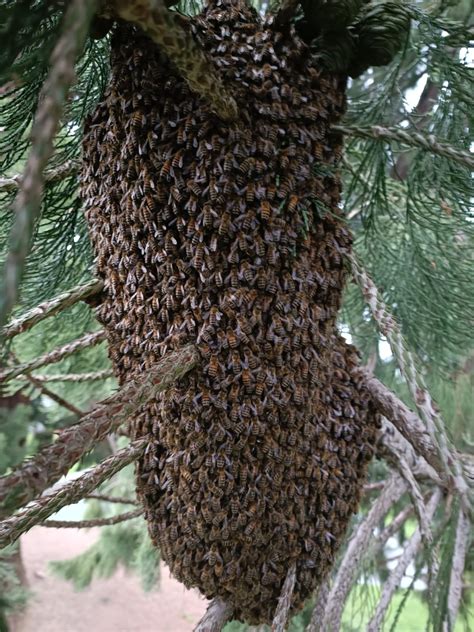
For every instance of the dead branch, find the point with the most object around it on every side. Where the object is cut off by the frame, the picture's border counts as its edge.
(398, 572)
(89, 340)
(217, 614)
(355, 551)
(52, 307)
(88, 524)
(54, 460)
(70, 493)
(282, 612)
(196, 68)
(27, 204)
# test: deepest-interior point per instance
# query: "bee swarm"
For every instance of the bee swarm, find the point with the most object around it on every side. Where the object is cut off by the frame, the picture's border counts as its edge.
(205, 232)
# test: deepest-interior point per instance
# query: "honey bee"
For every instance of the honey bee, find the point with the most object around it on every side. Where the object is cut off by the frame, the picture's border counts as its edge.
(250, 192)
(213, 366)
(265, 210)
(225, 225)
(293, 203)
(167, 169)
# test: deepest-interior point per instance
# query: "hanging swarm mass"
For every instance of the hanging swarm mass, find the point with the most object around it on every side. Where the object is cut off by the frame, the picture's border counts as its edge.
(205, 232)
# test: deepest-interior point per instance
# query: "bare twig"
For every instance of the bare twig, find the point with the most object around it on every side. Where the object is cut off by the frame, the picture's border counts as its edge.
(27, 205)
(217, 614)
(284, 602)
(113, 499)
(396, 575)
(51, 307)
(72, 377)
(54, 396)
(197, 69)
(89, 340)
(355, 551)
(53, 461)
(463, 530)
(36, 513)
(411, 138)
(88, 524)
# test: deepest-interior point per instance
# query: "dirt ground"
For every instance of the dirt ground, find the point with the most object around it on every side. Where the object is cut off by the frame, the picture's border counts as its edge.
(117, 604)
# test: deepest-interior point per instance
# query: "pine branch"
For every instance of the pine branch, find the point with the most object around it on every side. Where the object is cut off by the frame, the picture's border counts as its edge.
(406, 421)
(71, 493)
(358, 544)
(406, 362)
(88, 340)
(280, 619)
(54, 460)
(395, 577)
(416, 498)
(72, 377)
(218, 613)
(317, 615)
(411, 138)
(463, 532)
(195, 66)
(52, 307)
(69, 168)
(27, 205)
(88, 524)
(393, 446)
(112, 499)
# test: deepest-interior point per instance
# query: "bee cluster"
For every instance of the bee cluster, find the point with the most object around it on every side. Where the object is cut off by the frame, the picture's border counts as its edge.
(205, 232)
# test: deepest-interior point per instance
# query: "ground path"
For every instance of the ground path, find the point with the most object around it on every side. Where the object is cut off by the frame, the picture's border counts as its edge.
(117, 604)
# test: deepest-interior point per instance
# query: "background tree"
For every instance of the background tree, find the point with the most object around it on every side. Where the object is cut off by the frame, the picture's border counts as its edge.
(408, 201)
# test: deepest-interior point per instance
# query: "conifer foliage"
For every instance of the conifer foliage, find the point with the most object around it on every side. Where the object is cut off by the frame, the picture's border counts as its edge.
(212, 242)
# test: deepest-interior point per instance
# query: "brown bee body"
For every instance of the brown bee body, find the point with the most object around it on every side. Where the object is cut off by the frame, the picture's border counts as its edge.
(199, 241)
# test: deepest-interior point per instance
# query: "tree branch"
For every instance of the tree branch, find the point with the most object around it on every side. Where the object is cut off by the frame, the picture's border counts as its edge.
(406, 421)
(395, 577)
(425, 405)
(70, 493)
(358, 544)
(88, 524)
(195, 66)
(72, 377)
(54, 460)
(280, 619)
(89, 340)
(27, 204)
(216, 616)
(317, 615)
(69, 168)
(112, 499)
(411, 138)
(54, 396)
(463, 531)
(52, 307)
